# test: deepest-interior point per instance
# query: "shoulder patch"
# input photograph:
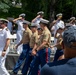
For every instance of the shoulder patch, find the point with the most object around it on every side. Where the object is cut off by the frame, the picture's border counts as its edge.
(6, 29)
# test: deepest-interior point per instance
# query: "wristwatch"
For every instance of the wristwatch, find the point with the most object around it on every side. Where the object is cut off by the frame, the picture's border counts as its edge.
(4, 50)
(36, 50)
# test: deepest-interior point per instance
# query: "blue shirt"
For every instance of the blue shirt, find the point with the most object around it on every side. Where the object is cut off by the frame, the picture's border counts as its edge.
(62, 67)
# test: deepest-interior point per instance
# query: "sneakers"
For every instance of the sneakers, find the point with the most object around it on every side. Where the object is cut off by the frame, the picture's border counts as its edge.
(13, 73)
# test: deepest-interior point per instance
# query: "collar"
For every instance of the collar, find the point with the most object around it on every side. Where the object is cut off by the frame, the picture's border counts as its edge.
(72, 61)
(4, 28)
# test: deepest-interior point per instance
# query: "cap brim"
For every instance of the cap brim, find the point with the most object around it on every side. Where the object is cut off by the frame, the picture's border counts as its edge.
(33, 26)
(24, 23)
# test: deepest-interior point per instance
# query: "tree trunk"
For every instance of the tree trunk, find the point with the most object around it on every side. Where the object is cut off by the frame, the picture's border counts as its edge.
(52, 10)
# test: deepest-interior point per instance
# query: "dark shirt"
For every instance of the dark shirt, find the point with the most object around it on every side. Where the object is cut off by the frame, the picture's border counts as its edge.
(62, 67)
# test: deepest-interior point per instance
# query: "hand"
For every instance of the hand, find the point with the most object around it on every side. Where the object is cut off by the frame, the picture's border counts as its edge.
(16, 46)
(38, 16)
(33, 53)
(51, 46)
(54, 21)
(20, 18)
(3, 53)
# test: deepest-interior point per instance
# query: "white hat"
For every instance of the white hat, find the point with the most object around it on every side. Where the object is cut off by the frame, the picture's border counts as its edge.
(34, 24)
(72, 18)
(40, 12)
(60, 14)
(44, 21)
(2, 19)
(22, 15)
(26, 22)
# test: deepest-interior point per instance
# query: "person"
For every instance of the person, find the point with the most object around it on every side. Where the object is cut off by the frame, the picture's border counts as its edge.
(72, 21)
(10, 24)
(42, 51)
(19, 22)
(25, 40)
(33, 41)
(59, 55)
(38, 18)
(55, 26)
(4, 46)
(66, 66)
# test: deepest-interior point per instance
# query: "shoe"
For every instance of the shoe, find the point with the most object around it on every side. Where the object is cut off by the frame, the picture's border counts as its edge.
(13, 73)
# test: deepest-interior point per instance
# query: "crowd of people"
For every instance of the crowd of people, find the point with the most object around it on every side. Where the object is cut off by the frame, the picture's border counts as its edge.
(33, 45)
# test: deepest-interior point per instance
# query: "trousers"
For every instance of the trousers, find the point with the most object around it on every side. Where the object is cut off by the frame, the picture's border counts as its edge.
(43, 57)
(21, 58)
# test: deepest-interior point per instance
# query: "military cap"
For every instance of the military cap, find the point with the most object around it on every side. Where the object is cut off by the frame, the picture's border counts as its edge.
(39, 28)
(44, 21)
(40, 12)
(61, 27)
(26, 22)
(34, 24)
(10, 18)
(3, 21)
(69, 36)
(22, 15)
(60, 14)
(72, 18)
(68, 24)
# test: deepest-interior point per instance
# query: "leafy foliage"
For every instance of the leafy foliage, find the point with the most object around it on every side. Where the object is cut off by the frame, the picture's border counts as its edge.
(31, 7)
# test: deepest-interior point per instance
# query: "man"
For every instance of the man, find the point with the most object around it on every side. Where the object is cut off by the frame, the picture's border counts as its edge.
(66, 66)
(72, 21)
(19, 22)
(38, 18)
(42, 51)
(33, 41)
(56, 24)
(4, 46)
(10, 24)
(25, 41)
(59, 54)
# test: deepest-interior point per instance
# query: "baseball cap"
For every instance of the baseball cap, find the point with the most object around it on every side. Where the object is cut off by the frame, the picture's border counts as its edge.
(69, 36)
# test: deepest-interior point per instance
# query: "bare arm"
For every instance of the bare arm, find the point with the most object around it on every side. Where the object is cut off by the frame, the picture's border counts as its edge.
(42, 45)
(56, 34)
(6, 46)
(19, 43)
(35, 18)
(17, 19)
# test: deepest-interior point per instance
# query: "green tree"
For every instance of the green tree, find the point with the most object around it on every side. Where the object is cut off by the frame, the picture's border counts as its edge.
(4, 5)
